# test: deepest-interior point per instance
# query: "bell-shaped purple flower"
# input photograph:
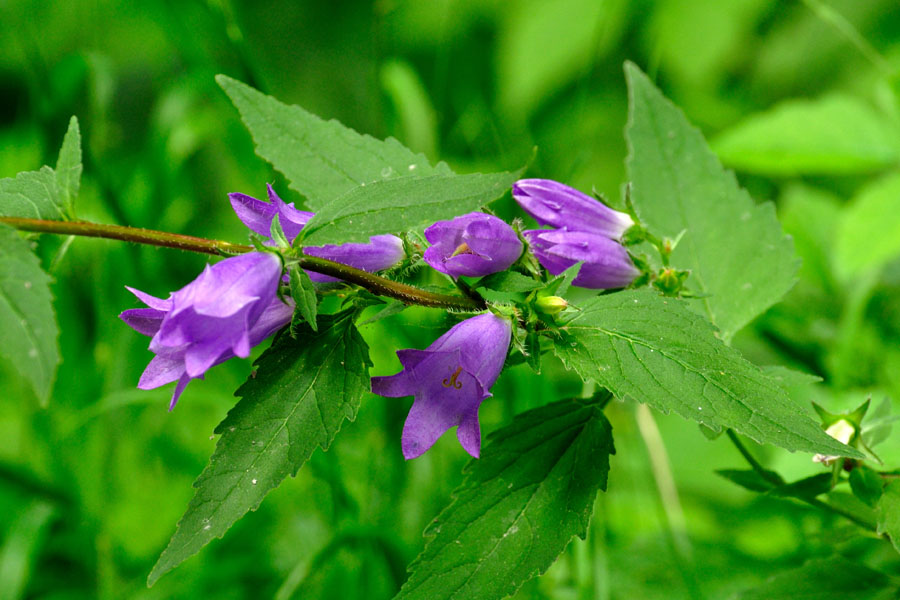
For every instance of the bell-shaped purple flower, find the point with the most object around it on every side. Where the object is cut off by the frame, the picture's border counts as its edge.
(231, 307)
(606, 262)
(558, 205)
(382, 251)
(474, 245)
(450, 379)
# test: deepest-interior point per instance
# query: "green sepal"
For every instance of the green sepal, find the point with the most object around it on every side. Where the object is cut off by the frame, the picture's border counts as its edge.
(304, 294)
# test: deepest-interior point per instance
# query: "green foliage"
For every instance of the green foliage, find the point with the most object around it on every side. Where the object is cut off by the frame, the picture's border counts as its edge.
(734, 249)
(834, 578)
(304, 294)
(46, 194)
(28, 328)
(303, 390)
(866, 484)
(869, 233)
(835, 135)
(887, 513)
(323, 160)
(654, 350)
(519, 505)
(402, 204)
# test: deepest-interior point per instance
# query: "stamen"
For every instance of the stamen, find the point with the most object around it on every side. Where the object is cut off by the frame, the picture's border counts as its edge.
(452, 382)
(462, 249)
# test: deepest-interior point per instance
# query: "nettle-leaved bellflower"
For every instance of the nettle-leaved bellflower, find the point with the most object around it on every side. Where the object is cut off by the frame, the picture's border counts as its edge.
(557, 205)
(474, 245)
(382, 251)
(449, 379)
(232, 306)
(587, 231)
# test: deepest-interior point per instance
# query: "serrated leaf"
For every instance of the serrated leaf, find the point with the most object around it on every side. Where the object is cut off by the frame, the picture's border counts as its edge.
(868, 234)
(304, 294)
(68, 167)
(394, 307)
(653, 349)
(32, 195)
(834, 578)
(832, 135)
(735, 250)
(398, 205)
(887, 513)
(749, 479)
(28, 328)
(323, 160)
(302, 392)
(518, 507)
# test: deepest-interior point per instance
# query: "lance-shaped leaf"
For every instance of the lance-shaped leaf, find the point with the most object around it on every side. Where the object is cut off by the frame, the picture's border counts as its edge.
(303, 390)
(652, 349)
(28, 329)
(518, 507)
(322, 159)
(735, 249)
(398, 205)
(46, 194)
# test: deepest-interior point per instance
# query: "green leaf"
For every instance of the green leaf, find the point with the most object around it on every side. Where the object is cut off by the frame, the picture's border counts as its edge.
(508, 281)
(748, 479)
(806, 488)
(833, 135)
(398, 205)
(866, 484)
(20, 552)
(868, 235)
(834, 578)
(735, 250)
(887, 513)
(46, 194)
(28, 328)
(302, 392)
(304, 294)
(653, 349)
(68, 167)
(533, 349)
(322, 159)
(518, 507)
(32, 195)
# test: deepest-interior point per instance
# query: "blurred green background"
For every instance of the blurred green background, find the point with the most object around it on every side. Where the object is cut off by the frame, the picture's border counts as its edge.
(91, 487)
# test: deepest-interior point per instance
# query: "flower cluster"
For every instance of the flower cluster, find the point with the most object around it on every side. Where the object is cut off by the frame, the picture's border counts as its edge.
(234, 304)
(586, 231)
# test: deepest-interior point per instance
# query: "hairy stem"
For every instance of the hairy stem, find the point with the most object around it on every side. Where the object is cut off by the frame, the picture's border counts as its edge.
(374, 283)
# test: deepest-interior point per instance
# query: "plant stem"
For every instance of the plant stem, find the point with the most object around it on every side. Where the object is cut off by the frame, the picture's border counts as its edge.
(776, 481)
(374, 283)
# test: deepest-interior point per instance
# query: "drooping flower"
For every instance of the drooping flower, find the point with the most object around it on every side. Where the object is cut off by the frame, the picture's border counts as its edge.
(231, 307)
(558, 205)
(382, 251)
(450, 379)
(606, 262)
(474, 245)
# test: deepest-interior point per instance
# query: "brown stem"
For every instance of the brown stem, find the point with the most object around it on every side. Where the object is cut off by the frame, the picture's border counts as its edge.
(374, 283)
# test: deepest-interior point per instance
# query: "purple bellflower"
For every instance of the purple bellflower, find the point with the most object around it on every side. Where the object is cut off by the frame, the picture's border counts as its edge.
(606, 262)
(587, 231)
(231, 307)
(450, 379)
(474, 245)
(563, 207)
(382, 251)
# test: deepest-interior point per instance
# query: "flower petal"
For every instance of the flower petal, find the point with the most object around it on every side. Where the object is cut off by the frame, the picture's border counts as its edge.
(558, 205)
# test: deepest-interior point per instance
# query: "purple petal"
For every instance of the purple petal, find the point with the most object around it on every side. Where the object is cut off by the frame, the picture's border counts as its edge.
(160, 371)
(382, 252)
(182, 383)
(292, 220)
(475, 244)
(558, 205)
(143, 320)
(151, 301)
(255, 214)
